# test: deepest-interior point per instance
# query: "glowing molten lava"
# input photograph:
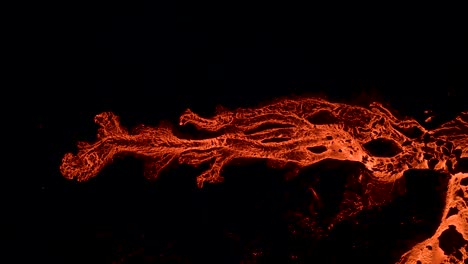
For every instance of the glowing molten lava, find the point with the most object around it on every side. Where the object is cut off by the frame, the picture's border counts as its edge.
(301, 132)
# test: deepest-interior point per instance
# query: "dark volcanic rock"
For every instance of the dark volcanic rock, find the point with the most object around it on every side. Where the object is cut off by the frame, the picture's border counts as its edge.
(450, 241)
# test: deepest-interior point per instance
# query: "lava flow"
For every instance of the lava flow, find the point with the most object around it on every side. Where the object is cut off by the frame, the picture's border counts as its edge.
(302, 132)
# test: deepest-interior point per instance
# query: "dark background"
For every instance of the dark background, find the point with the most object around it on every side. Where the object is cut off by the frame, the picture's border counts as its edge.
(149, 63)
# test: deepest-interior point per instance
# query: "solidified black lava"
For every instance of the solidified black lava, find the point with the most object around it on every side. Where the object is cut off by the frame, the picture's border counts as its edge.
(452, 211)
(462, 165)
(322, 117)
(382, 147)
(317, 149)
(460, 193)
(411, 132)
(450, 241)
(464, 181)
(432, 163)
(371, 234)
(329, 179)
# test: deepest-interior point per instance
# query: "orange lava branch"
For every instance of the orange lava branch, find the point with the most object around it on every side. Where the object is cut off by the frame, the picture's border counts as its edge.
(300, 131)
(303, 132)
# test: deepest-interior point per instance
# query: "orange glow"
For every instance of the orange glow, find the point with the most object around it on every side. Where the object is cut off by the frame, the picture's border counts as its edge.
(300, 132)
